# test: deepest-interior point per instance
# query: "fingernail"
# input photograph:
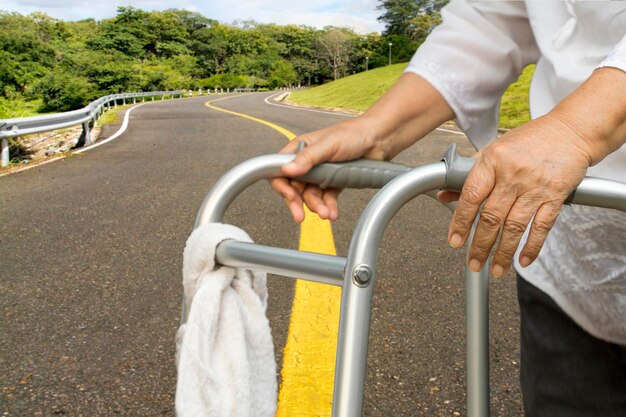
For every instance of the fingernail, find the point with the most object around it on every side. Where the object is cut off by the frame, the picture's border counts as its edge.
(456, 240)
(524, 261)
(290, 165)
(497, 271)
(474, 265)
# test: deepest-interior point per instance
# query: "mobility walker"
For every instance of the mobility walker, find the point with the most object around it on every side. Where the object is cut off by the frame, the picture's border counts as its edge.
(356, 273)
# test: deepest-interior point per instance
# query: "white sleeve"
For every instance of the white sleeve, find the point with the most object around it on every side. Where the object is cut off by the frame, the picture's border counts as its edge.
(617, 58)
(472, 57)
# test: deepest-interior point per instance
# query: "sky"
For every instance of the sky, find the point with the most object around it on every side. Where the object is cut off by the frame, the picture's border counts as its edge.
(359, 15)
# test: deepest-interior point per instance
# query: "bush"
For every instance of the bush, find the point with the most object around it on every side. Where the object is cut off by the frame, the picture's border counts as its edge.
(63, 92)
(282, 75)
(225, 81)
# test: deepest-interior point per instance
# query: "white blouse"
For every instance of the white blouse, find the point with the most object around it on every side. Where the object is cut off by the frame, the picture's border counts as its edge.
(480, 48)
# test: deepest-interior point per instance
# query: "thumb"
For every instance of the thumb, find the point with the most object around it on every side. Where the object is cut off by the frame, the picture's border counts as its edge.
(307, 158)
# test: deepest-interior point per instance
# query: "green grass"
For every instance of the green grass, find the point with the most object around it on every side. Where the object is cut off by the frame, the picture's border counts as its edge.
(111, 116)
(19, 108)
(360, 91)
(514, 107)
(356, 92)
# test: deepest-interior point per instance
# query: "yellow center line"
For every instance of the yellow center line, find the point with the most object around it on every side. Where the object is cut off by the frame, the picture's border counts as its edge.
(309, 358)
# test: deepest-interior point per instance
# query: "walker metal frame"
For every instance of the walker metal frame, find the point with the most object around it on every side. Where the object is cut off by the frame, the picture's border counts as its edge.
(356, 274)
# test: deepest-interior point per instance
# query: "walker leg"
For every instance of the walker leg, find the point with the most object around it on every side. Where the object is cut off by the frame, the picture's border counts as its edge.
(352, 342)
(477, 339)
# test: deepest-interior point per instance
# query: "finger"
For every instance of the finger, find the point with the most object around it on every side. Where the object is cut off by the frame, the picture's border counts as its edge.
(312, 196)
(310, 156)
(491, 217)
(448, 196)
(477, 188)
(542, 223)
(291, 196)
(512, 231)
(330, 199)
(299, 186)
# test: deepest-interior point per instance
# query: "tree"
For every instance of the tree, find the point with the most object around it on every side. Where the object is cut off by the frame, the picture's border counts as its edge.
(192, 21)
(169, 36)
(127, 33)
(282, 74)
(61, 91)
(422, 24)
(399, 14)
(210, 46)
(49, 29)
(335, 47)
(24, 57)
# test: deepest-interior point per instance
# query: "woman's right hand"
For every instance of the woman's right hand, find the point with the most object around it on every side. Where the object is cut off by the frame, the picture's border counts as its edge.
(407, 112)
(344, 141)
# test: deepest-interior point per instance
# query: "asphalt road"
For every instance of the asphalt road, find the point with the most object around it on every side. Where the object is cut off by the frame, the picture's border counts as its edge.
(91, 253)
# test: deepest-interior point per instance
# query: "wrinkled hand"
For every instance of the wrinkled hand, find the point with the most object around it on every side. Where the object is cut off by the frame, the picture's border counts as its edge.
(344, 141)
(529, 171)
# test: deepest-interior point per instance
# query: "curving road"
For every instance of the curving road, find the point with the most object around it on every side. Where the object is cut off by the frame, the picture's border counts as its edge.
(91, 253)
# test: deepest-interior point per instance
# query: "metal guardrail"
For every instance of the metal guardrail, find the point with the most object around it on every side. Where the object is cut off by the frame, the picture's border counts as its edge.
(12, 128)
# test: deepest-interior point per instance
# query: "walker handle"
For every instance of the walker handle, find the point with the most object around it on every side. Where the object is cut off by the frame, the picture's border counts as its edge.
(359, 173)
(458, 167)
(367, 173)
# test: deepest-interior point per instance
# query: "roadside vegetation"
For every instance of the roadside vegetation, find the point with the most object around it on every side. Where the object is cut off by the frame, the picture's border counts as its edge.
(514, 107)
(49, 65)
(360, 91)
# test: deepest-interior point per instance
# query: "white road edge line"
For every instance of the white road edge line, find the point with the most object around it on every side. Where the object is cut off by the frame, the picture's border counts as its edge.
(337, 113)
(305, 109)
(121, 130)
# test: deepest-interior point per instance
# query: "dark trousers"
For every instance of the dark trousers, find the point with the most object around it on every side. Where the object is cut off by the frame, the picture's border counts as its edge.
(566, 372)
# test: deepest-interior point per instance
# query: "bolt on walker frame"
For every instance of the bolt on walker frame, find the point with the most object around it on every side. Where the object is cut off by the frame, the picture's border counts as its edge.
(356, 273)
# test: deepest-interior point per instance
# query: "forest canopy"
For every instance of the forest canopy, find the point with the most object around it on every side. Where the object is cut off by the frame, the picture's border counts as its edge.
(65, 65)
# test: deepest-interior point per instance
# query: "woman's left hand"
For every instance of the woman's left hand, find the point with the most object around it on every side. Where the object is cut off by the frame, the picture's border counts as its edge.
(527, 172)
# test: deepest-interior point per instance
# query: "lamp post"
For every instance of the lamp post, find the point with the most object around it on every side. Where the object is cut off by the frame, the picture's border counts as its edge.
(390, 44)
(367, 61)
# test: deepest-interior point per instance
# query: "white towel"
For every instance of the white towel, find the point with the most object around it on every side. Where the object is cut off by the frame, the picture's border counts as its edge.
(225, 352)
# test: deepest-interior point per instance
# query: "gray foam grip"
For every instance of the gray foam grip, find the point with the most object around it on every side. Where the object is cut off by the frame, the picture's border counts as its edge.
(360, 173)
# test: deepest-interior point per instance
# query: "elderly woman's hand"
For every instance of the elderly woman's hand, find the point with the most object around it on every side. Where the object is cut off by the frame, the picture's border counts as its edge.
(408, 111)
(344, 141)
(531, 170)
(527, 172)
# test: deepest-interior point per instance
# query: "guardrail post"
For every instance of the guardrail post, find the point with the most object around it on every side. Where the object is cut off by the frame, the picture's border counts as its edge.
(143, 99)
(163, 97)
(134, 100)
(5, 152)
(152, 98)
(123, 101)
(87, 132)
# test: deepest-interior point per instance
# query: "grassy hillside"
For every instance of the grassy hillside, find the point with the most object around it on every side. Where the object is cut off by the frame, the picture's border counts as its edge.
(359, 91)
(514, 108)
(356, 92)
